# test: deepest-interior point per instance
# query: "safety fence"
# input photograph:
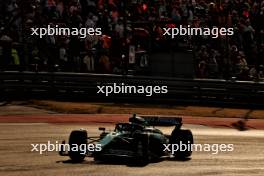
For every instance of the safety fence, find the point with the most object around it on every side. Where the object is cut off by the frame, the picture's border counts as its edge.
(83, 86)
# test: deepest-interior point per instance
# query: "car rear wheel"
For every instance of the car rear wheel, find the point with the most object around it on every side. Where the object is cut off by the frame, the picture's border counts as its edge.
(77, 138)
(141, 151)
(184, 140)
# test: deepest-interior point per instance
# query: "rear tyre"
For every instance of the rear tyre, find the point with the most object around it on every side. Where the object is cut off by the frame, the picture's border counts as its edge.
(141, 151)
(182, 138)
(77, 138)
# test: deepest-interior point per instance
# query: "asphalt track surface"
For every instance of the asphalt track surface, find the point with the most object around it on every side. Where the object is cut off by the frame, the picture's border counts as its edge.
(16, 157)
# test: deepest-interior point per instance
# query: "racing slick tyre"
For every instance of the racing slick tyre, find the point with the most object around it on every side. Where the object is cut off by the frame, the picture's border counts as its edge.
(183, 139)
(77, 138)
(141, 151)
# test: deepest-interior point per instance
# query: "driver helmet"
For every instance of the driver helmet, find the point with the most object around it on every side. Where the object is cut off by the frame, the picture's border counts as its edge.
(137, 120)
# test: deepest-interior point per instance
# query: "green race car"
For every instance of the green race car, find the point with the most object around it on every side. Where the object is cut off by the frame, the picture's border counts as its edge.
(138, 140)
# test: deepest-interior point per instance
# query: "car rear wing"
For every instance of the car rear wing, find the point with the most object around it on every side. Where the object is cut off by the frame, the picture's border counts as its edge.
(163, 121)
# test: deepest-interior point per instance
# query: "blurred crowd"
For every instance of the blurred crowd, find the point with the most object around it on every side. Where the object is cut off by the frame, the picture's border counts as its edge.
(240, 55)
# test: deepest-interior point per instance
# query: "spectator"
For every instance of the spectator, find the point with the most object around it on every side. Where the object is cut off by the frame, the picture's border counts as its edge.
(104, 64)
(63, 57)
(88, 60)
(214, 56)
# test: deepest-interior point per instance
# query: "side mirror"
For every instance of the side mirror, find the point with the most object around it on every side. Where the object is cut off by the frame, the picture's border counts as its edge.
(101, 128)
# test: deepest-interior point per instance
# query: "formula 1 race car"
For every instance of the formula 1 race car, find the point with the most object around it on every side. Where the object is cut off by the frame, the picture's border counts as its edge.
(137, 140)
